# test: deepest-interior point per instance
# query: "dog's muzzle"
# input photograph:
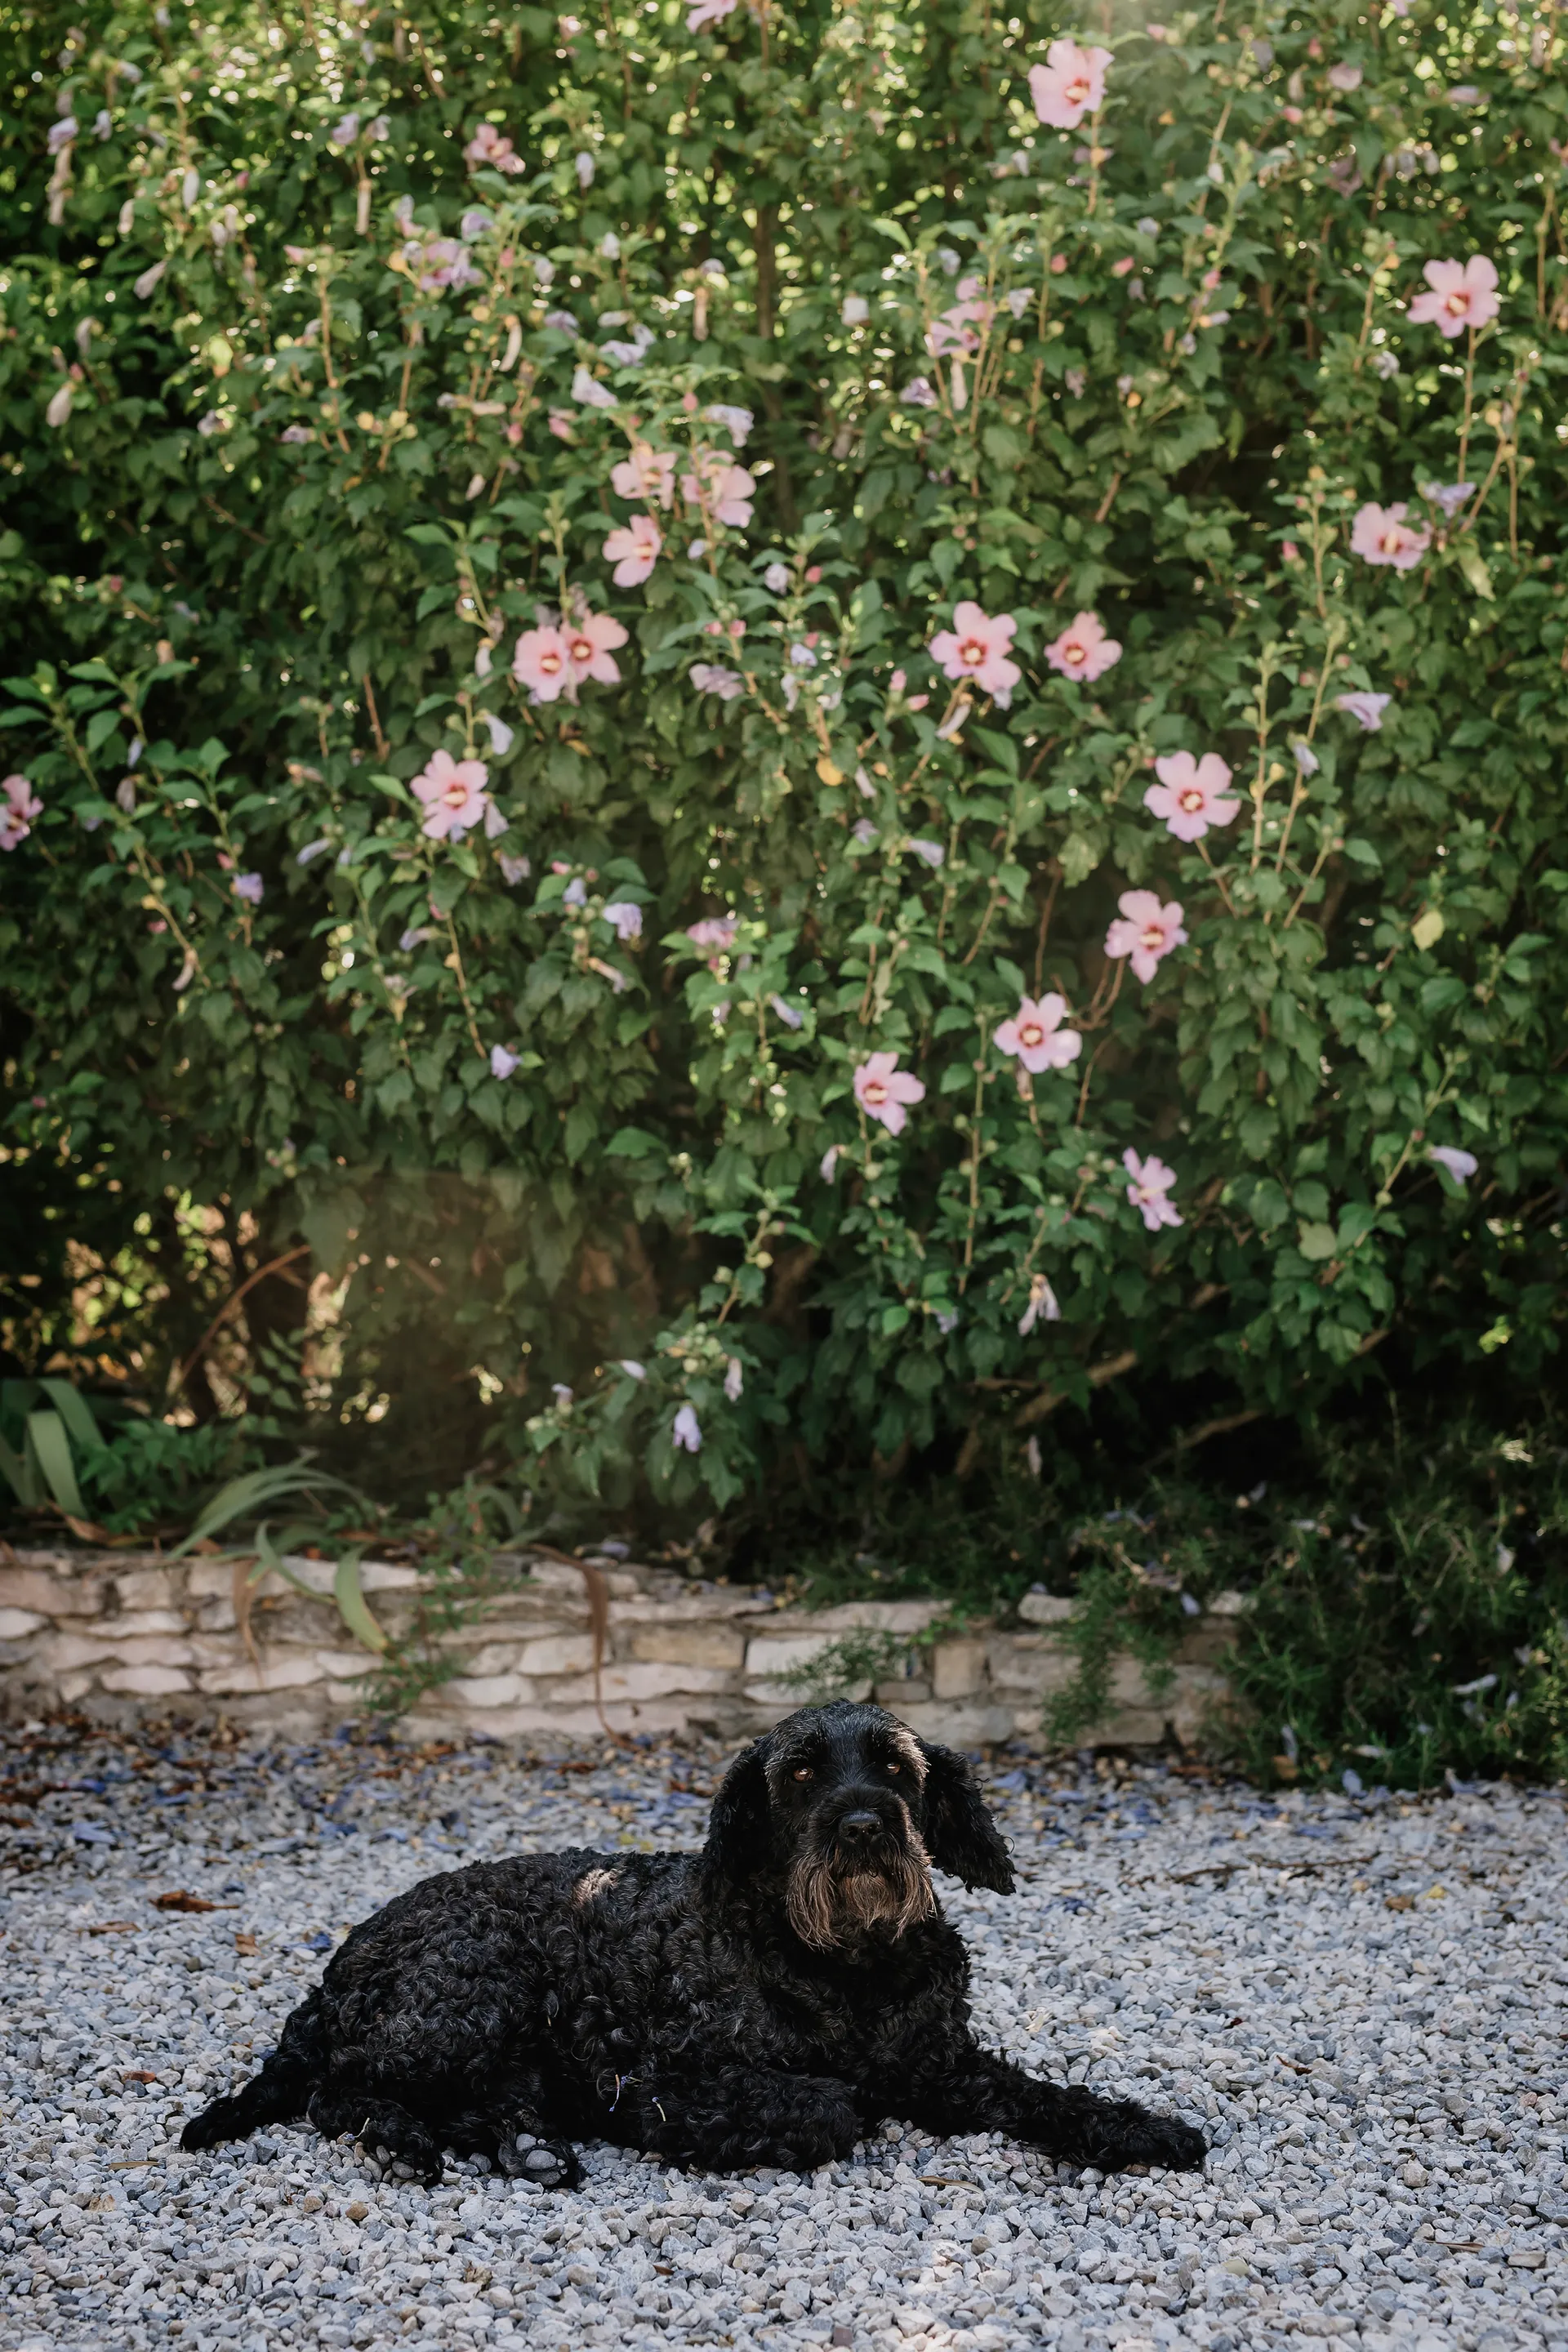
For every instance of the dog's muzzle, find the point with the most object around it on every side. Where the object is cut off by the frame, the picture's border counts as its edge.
(865, 1870)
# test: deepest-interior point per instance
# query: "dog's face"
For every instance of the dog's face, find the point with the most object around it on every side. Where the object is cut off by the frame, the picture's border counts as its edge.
(853, 1811)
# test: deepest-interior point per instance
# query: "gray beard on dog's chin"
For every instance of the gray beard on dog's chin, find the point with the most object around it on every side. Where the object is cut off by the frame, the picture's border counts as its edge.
(826, 1907)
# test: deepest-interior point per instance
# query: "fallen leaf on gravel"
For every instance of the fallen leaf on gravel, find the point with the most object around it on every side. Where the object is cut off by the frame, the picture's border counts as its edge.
(244, 1942)
(139, 2075)
(180, 1898)
(115, 1928)
(1399, 1902)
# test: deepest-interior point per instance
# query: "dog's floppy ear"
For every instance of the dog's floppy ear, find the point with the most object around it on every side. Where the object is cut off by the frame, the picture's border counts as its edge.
(738, 1831)
(961, 1836)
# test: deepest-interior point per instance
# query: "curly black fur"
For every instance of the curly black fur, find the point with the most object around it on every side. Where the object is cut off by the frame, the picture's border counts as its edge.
(761, 2004)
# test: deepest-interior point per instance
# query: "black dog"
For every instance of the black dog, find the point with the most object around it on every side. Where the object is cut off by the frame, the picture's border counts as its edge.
(762, 2002)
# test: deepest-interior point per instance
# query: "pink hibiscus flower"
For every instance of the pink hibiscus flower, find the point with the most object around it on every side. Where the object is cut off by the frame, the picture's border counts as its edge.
(727, 489)
(1464, 294)
(18, 812)
(715, 931)
(1192, 794)
(706, 13)
(454, 796)
(1145, 930)
(590, 645)
(1083, 651)
(542, 662)
(1150, 1190)
(1069, 85)
(976, 647)
(1383, 536)
(492, 147)
(884, 1091)
(645, 473)
(1036, 1034)
(634, 550)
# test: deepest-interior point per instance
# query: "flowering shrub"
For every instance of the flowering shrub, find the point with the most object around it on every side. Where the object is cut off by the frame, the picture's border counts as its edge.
(817, 726)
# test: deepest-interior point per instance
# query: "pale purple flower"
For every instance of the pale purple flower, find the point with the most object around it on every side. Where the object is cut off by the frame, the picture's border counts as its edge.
(502, 1062)
(929, 853)
(61, 134)
(1075, 381)
(1149, 1190)
(296, 433)
(734, 1378)
(918, 393)
(1460, 1165)
(775, 579)
(125, 797)
(1307, 760)
(312, 849)
(414, 938)
(345, 132)
(1042, 1302)
(864, 831)
(248, 887)
(474, 223)
(141, 287)
(1367, 709)
(515, 870)
(829, 1167)
(686, 1431)
(1448, 496)
(632, 1368)
(103, 123)
(946, 1319)
(1345, 78)
(562, 1393)
(626, 916)
(712, 677)
(715, 931)
(585, 168)
(575, 892)
(59, 407)
(801, 657)
(380, 126)
(502, 737)
(737, 422)
(589, 393)
(564, 321)
(790, 1015)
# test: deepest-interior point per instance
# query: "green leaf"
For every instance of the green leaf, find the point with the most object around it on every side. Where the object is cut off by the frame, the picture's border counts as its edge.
(1316, 1242)
(352, 1607)
(51, 1448)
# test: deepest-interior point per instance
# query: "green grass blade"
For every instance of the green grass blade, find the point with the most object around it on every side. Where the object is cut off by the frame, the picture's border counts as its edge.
(18, 1474)
(51, 1450)
(352, 1607)
(76, 1413)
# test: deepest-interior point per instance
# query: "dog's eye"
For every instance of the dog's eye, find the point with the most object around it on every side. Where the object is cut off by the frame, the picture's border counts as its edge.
(891, 1768)
(804, 1772)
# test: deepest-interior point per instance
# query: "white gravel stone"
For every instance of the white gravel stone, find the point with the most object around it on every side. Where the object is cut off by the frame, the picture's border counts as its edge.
(1364, 1999)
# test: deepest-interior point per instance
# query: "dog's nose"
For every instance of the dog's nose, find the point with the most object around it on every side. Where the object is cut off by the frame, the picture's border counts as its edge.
(859, 1825)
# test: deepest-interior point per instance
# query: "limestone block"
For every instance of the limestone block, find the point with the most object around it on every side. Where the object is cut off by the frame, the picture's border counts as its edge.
(50, 1596)
(554, 1576)
(1207, 1641)
(1128, 1727)
(493, 1658)
(145, 1682)
(961, 1725)
(1044, 1608)
(537, 1720)
(687, 1608)
(638, 1682)
(275, 1673)
(769, 1654)
(216, 1615)
(1230, 1605)
(150, 1588)
(783, 1698)
(690, 1644)
(911, 1690)
(74, 1686)
(1030, 1662)
(958, 1668)
(344, 1666)
(860, 1616)
(483, 1690)
(556, 1654)
(64, 1653)
(146, 1620)
(16, 1624)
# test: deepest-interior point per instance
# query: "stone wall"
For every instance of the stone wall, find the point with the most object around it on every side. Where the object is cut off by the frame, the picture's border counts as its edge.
(116, 1634)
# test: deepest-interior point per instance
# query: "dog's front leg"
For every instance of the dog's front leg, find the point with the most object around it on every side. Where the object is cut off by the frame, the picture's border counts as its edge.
(729, 2119)
(963, 2088)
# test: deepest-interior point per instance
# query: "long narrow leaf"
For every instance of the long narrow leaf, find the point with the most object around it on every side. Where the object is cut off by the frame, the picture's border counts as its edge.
(352, 1606)
(76, 1413)
(253, 1491)
(17, 1472)
(52, 1451)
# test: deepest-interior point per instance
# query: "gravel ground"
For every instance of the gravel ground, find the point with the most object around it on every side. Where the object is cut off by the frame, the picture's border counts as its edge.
(1364, 1997)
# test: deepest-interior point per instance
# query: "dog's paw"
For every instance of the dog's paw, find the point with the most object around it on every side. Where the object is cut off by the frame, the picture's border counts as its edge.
(213, 2126)
(415, 2156)
(547, 2163)
(1145, 2138)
